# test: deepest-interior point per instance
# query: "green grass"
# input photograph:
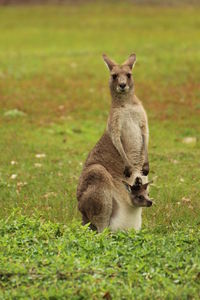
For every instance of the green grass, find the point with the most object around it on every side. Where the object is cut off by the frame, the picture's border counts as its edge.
(51, 69)
(49, 261)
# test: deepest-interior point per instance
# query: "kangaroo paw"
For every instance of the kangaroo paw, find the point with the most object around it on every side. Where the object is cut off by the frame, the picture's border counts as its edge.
(145, 169)
(127, 171)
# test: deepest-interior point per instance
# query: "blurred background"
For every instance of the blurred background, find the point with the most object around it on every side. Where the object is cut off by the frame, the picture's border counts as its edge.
(54, 99)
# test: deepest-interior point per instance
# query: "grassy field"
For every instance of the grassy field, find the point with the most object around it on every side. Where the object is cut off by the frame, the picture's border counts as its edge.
(54, 102)
(51, 261)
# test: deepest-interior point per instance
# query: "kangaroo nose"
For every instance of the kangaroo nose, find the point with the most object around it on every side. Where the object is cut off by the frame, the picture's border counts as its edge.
(149, 203)
(122, 85)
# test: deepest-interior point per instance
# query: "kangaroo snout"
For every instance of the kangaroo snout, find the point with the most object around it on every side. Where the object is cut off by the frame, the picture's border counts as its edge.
(149, 203)
(122, 85)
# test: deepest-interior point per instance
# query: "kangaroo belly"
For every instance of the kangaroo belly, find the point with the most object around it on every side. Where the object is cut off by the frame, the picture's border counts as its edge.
(132, 140)
(126, 217)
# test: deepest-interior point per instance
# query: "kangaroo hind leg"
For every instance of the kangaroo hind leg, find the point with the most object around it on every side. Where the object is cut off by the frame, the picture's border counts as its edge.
(96, 208)
(95, 203)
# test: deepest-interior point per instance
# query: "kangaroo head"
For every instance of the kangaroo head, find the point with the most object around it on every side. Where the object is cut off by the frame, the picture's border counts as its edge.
(139, 193)
(121, 81)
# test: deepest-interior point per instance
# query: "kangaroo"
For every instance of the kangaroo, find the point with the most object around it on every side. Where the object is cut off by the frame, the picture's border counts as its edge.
(120, 153)
(127, 124)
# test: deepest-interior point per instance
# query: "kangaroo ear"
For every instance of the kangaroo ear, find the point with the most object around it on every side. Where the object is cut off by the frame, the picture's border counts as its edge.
(144, 186)
(130, 61)
(128, 186)
(109, 62)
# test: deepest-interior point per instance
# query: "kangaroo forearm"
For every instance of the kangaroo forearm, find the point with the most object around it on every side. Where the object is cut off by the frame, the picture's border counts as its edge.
(114, 131)
(145, 168)
(118, 145)
(145, 147)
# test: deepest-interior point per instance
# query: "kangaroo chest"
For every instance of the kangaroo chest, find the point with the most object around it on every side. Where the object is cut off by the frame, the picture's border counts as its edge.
(131, 135)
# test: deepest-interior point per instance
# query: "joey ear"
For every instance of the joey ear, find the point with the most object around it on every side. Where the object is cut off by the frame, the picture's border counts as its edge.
(109, 62)
(144, 186)
(130, 61)
(128, 186)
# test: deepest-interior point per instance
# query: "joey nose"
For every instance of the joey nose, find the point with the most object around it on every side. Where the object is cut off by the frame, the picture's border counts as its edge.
(149, 203)
(122, 85)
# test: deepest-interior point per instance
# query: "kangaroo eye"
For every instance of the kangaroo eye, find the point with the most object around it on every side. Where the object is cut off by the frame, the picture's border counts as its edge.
(140, 197)
(114, 76)
(128, 75)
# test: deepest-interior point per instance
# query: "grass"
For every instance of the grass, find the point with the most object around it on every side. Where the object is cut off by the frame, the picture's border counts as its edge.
(54, 100)
(49, 261)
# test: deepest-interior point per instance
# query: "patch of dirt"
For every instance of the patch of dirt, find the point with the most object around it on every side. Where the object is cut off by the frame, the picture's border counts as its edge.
(53, 100)
(171, 102)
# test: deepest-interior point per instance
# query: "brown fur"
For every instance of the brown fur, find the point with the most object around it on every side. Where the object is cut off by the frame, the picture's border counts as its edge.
(100, 189)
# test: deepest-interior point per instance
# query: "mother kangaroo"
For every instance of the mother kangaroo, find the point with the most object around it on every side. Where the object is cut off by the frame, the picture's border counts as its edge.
(121, 152)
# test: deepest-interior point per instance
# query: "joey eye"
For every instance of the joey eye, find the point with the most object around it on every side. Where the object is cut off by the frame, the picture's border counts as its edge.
(128, 75)
(140, 197)
(114, 76)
